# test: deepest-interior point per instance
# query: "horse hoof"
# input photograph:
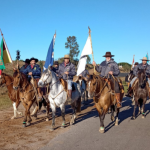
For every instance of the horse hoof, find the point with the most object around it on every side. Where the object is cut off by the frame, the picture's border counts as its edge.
(133, 118)
(112, 118)
(24, 125)
(102, 130)
(116, 124)
(47, 119)
(143, 117)
(62, 127)
(13, 117)
(28, 123)
(51, 129)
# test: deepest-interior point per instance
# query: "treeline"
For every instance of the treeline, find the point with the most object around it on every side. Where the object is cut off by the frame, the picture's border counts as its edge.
(125, 66)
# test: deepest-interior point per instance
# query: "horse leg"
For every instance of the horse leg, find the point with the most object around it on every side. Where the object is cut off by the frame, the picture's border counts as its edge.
(117, 120)
(139, 109)
(28, 112)
(15, 111)
(133, 117)
(17, 104)
(47, 110)
(102, 116)
(25, 117)
(112, 112)
(53, 107)
(143, 108)
(62, 107)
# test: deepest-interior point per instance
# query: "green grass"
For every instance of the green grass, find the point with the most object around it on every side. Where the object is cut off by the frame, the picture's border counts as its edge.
(125, 86)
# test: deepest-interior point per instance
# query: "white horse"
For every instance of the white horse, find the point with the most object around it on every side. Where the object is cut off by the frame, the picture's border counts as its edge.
(58, 96)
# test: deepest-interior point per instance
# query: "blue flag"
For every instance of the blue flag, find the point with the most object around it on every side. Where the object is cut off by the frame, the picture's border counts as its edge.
(147, 57)
(50, 55)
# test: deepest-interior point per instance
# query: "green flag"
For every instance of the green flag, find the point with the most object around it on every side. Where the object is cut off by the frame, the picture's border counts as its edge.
(2, 66)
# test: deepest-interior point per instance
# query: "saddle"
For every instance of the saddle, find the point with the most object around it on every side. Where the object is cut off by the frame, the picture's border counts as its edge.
(65, 85)
(111, 84)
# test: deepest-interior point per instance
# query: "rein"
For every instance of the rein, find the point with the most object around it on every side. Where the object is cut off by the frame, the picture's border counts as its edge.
(109, 91)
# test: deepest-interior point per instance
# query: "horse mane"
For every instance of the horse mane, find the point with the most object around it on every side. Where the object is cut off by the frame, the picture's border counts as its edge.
(22, 75)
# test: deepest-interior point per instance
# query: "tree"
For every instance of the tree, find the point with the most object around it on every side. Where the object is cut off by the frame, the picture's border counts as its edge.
(73, 46)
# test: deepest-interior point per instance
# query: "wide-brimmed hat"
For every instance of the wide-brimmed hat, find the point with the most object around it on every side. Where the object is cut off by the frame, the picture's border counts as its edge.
(36, 60)
(27, 61)
(66, 57)
(56, 63)
(136, 63)
(144, 59)
(108, 54)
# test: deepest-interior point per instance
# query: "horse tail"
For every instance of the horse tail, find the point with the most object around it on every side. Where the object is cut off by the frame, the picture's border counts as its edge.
(140, 101)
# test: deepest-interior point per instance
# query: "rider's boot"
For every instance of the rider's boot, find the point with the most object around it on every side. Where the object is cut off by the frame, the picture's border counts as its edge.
(69, 96)
(129, 93)
(118, 100)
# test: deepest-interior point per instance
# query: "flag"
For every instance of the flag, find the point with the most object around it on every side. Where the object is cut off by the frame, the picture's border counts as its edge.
(2, 66)
(147, 57)
(132, 62)
(87, 50)
(50, 54)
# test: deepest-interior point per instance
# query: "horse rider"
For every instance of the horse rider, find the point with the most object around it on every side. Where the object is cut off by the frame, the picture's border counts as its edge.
(56, 67)
(109, 69)
(84, 73)
(131, 72)
(144, 66)
(27, 62)
(34, 70)
(67, 71)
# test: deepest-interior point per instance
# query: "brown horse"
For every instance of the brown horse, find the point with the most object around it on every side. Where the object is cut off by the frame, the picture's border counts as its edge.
(103, 97)
(13, 94)
(140, 92)
(27, 95)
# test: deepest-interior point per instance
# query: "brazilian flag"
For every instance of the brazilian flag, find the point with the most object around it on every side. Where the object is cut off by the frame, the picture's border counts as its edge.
(2, 66)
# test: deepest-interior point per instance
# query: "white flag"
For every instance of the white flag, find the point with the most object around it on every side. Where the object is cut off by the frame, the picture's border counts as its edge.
(87, 50)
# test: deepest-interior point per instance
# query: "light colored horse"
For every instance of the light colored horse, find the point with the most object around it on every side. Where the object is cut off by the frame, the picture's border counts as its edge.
(82, 81)
(58, 96)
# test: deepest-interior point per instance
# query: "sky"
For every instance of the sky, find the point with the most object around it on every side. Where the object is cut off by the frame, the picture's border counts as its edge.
(119, 26)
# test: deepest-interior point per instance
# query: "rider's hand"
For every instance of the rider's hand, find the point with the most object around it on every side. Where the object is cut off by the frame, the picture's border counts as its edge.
(111, 72)
(94, 63)
(30, 73)
(66, 73)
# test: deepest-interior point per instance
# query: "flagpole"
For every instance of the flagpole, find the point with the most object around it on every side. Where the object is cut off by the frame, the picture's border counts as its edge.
(91, 42)
(6, 46)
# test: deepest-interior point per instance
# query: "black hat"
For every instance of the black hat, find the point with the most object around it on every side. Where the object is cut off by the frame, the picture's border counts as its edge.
(36, 60)
(56, 63)
(108, 54)
(27, 61)
(136, 63)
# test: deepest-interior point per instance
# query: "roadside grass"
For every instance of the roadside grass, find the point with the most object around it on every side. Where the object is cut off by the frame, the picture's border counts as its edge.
(5, 102)
(125, 87)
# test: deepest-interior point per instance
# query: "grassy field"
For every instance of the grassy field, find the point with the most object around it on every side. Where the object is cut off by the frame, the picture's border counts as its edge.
(5, 102)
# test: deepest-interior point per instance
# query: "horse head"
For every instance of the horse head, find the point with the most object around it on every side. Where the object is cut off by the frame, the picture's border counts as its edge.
(2, 79)
(142, 77)
(46, 77)
(130, 75)
(17, 79)
(91, 85)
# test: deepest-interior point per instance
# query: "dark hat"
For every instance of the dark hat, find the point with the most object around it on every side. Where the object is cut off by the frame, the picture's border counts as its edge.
(136, 63)
(27, 61)
(108, 54)
(56, 63)
(36, 60)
